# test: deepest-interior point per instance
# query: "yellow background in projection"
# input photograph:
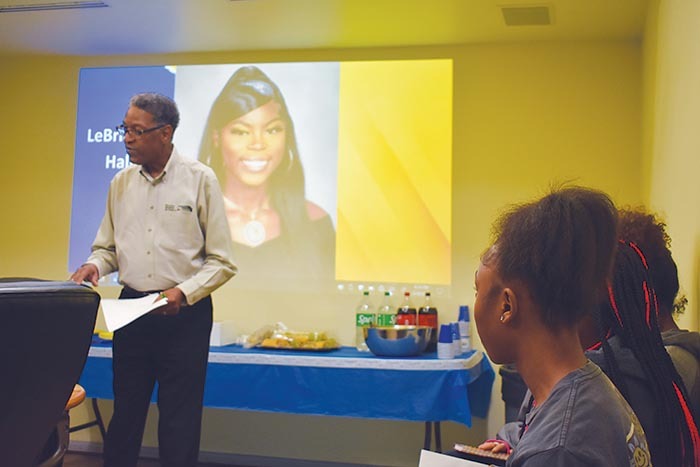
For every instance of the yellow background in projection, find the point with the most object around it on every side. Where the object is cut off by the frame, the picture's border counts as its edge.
(395, 172)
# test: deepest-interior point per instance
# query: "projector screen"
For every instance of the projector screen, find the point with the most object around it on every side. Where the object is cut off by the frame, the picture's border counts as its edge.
(373, 142)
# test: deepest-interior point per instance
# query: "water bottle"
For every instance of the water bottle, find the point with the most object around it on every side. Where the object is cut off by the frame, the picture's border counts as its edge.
(406, 314)
(364, 317)
(385, 313)
(428, 316)
(464, 328)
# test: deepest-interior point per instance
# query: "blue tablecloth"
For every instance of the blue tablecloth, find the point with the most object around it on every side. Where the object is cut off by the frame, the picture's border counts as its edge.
(341, 382)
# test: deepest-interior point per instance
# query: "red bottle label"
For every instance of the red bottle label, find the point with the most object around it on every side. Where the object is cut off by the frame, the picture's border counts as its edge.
(428, 320)
(406, 318)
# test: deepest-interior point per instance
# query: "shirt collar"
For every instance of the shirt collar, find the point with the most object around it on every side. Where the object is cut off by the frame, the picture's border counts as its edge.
(172, 160)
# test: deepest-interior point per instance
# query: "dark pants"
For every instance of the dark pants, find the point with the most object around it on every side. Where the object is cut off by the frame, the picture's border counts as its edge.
(169, 350)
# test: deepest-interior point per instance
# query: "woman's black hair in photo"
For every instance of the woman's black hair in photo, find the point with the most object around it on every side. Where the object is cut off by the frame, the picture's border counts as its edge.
(561, 247)
(631, 313)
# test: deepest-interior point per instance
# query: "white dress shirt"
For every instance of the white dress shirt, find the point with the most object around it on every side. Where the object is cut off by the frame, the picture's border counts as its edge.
(166, 231)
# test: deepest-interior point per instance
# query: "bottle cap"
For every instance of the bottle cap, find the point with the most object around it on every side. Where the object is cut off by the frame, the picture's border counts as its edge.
(445, 335)
(464, 313)
(455, 331)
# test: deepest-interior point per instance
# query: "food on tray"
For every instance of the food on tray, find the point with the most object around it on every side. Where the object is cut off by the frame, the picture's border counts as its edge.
(299, 340)
(260, 335)
(279, 337)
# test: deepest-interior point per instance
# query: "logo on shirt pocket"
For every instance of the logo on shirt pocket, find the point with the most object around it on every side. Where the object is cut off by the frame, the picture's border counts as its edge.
(178, 207)
(181, 223)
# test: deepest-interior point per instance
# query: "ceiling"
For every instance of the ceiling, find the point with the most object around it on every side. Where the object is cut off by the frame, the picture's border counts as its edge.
(174, 26)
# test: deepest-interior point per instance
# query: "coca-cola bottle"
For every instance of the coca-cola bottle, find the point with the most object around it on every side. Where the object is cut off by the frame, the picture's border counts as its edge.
(406, 314)
(428, 316)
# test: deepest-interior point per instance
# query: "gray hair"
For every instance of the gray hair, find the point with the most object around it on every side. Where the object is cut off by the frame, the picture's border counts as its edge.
(163, 108)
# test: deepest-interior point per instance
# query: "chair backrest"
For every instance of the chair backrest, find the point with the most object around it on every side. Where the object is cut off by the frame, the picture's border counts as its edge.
(46, 329)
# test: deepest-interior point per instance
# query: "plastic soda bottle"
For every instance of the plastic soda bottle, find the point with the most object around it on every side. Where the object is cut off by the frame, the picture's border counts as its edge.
(385, 313)
(428, 316)
(364, 317)
(406, 314)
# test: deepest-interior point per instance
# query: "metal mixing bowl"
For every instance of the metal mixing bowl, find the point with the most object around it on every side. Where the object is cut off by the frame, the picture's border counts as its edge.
(397, 341)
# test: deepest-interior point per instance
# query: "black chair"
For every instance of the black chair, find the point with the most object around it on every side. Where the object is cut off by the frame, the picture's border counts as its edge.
(46, 329)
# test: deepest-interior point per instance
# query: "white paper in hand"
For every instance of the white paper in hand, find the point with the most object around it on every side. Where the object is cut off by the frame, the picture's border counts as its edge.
(119, 313)
(433, 459)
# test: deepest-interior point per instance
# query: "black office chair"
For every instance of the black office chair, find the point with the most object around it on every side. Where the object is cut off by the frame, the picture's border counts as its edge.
(46, 329)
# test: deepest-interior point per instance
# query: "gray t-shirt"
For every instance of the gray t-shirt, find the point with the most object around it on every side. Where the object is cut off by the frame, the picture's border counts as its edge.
(584, 422)
(684, 349)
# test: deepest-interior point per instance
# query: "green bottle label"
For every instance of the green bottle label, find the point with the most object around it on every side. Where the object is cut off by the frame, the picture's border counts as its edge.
(386, 319)
(364, 319)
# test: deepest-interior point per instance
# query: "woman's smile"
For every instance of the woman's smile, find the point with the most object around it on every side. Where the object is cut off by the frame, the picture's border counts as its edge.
(255, 165)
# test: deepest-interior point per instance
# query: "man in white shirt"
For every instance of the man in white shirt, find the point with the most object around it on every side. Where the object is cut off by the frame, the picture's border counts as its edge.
(165, 231)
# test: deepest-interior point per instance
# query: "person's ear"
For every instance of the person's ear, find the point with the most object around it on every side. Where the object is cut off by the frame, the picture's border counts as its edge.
(509, 307)
(167, 133)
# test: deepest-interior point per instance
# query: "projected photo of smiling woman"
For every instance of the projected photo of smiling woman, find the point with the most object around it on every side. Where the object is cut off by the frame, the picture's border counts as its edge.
(249, 140)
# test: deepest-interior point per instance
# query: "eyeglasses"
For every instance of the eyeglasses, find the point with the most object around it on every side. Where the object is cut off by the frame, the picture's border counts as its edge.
(123, 130)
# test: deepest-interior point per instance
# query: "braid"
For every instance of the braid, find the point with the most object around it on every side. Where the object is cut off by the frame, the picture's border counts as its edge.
(634, 306)
(604, 331)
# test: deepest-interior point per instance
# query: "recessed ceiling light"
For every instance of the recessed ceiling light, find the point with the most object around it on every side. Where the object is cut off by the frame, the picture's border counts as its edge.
(517, 15)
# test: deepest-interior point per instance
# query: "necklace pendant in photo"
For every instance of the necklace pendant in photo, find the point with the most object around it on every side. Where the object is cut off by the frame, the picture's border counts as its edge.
(254, 232)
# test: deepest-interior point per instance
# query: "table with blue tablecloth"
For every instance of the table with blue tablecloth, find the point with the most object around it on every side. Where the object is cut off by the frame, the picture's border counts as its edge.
(342, 382)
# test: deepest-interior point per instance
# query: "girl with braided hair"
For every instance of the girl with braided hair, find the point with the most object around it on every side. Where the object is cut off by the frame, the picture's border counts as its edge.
(546, 269)
(648, 231)
(630, 350)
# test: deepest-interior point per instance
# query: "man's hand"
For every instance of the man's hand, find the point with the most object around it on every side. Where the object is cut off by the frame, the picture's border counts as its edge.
(87, 272)
(175, 299)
